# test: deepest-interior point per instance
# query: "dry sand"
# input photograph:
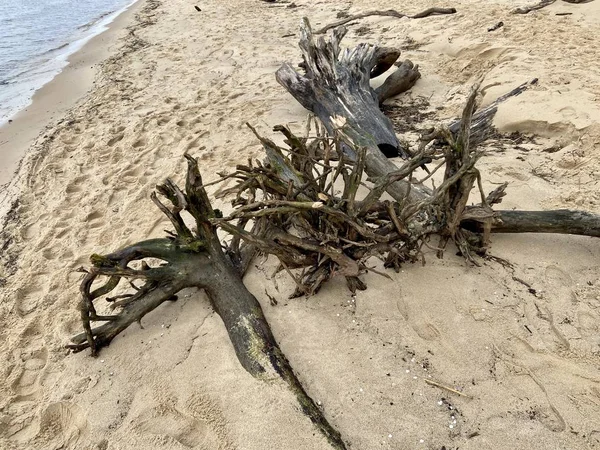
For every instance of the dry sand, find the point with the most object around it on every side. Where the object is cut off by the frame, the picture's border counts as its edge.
(178, 80)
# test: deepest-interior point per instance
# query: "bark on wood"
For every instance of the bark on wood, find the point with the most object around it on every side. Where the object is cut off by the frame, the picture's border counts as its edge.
(562, 221)
(337, 86)
(387, 13)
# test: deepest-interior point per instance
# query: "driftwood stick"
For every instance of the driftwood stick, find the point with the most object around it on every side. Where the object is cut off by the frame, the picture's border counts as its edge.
(446, 388)
(528, 9)
(481, 122)
(388, 13)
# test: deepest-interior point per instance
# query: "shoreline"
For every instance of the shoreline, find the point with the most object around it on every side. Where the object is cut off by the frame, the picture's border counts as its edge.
(52, 101)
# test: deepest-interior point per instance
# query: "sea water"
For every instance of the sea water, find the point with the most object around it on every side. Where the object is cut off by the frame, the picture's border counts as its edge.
(36, 39)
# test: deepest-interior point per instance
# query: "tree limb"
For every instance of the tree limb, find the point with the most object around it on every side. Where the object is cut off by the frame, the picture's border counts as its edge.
(388, 13)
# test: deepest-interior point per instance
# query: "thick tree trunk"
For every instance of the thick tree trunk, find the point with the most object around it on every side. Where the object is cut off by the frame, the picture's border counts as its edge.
(336, 89)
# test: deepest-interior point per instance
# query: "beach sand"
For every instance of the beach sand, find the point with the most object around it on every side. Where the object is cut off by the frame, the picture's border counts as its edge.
(51, 102)
(521, 342)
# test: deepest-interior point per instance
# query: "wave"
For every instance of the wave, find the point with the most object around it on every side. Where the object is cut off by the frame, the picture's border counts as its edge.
(52, 50)
(91, 23)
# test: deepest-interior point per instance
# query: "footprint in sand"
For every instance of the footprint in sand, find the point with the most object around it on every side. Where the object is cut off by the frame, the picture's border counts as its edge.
(28, 298)
(49, 254)
(112, 141)
(77, 185)
(588, 326)
(560, 300)
(423, 327)
(62, 425)
(163, 120)
(560, 283)
(25, 389)
(198, 425)
(95, 219)
(568, 112)
(567, 306)
(27, 383)
(184, 429)
(141, 142)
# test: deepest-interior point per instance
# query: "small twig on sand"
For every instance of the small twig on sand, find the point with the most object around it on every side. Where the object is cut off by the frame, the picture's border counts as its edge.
(388, 13)
(449, 389)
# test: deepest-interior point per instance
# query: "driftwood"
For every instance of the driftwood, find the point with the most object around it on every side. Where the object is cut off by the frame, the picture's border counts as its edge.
(326, 55)
(298, 216)
(543, 4)
(400, 81)
(387, 13)
(336, 86)
(481, 123)
(562, 221)
(528, 9)
(301, 205)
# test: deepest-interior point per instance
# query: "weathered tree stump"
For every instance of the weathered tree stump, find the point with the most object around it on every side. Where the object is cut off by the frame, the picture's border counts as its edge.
(336, 87)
